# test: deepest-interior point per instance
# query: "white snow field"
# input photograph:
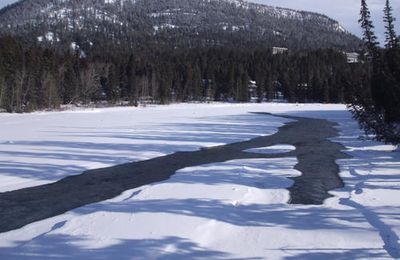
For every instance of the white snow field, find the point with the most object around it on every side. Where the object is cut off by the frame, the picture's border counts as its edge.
(232, 210)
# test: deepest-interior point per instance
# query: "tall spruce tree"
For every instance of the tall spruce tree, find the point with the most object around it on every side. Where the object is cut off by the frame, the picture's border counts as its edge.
(391, 40)
(375, 105)
(369, 36)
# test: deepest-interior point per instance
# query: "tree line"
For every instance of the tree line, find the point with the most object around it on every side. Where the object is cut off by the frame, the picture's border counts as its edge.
(35, 77)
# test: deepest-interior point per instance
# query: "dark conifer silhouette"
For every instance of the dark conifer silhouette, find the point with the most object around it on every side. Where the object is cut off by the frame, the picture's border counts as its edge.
(376, 102)
(369, 37)
(391, 40)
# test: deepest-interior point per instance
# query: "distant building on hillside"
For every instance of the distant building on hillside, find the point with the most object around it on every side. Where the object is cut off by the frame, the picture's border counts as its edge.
(352, 57)
(279, 50)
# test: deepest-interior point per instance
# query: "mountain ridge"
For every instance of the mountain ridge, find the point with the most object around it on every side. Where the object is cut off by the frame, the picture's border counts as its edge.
(134, 23)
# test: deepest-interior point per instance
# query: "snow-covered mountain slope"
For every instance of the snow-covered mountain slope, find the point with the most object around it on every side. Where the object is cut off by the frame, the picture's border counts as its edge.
(174, 22)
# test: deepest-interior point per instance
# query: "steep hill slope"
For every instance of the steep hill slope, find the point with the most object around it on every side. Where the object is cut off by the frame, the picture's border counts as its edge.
(98, 24)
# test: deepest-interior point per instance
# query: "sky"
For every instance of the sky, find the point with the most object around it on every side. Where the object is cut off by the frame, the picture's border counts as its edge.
(6, 2)
(344, 11)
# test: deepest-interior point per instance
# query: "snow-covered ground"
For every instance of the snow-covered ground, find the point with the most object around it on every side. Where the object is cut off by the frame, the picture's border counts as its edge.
(230, 210)
(40, 148)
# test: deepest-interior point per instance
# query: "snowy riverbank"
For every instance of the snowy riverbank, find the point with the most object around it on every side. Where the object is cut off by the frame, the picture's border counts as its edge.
(235, 209)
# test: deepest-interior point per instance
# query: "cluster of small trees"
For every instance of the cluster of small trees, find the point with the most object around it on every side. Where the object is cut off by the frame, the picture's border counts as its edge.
(36, 78)
(33, 77)
(376, 103)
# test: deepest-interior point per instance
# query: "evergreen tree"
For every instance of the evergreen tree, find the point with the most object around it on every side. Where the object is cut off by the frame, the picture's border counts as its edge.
(376, 105)
(391, 40)
(132, 81)
(369, 37)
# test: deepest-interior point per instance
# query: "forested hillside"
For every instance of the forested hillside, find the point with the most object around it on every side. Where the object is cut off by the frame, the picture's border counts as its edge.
(126, 52)
(37, 78)
(97, 24)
